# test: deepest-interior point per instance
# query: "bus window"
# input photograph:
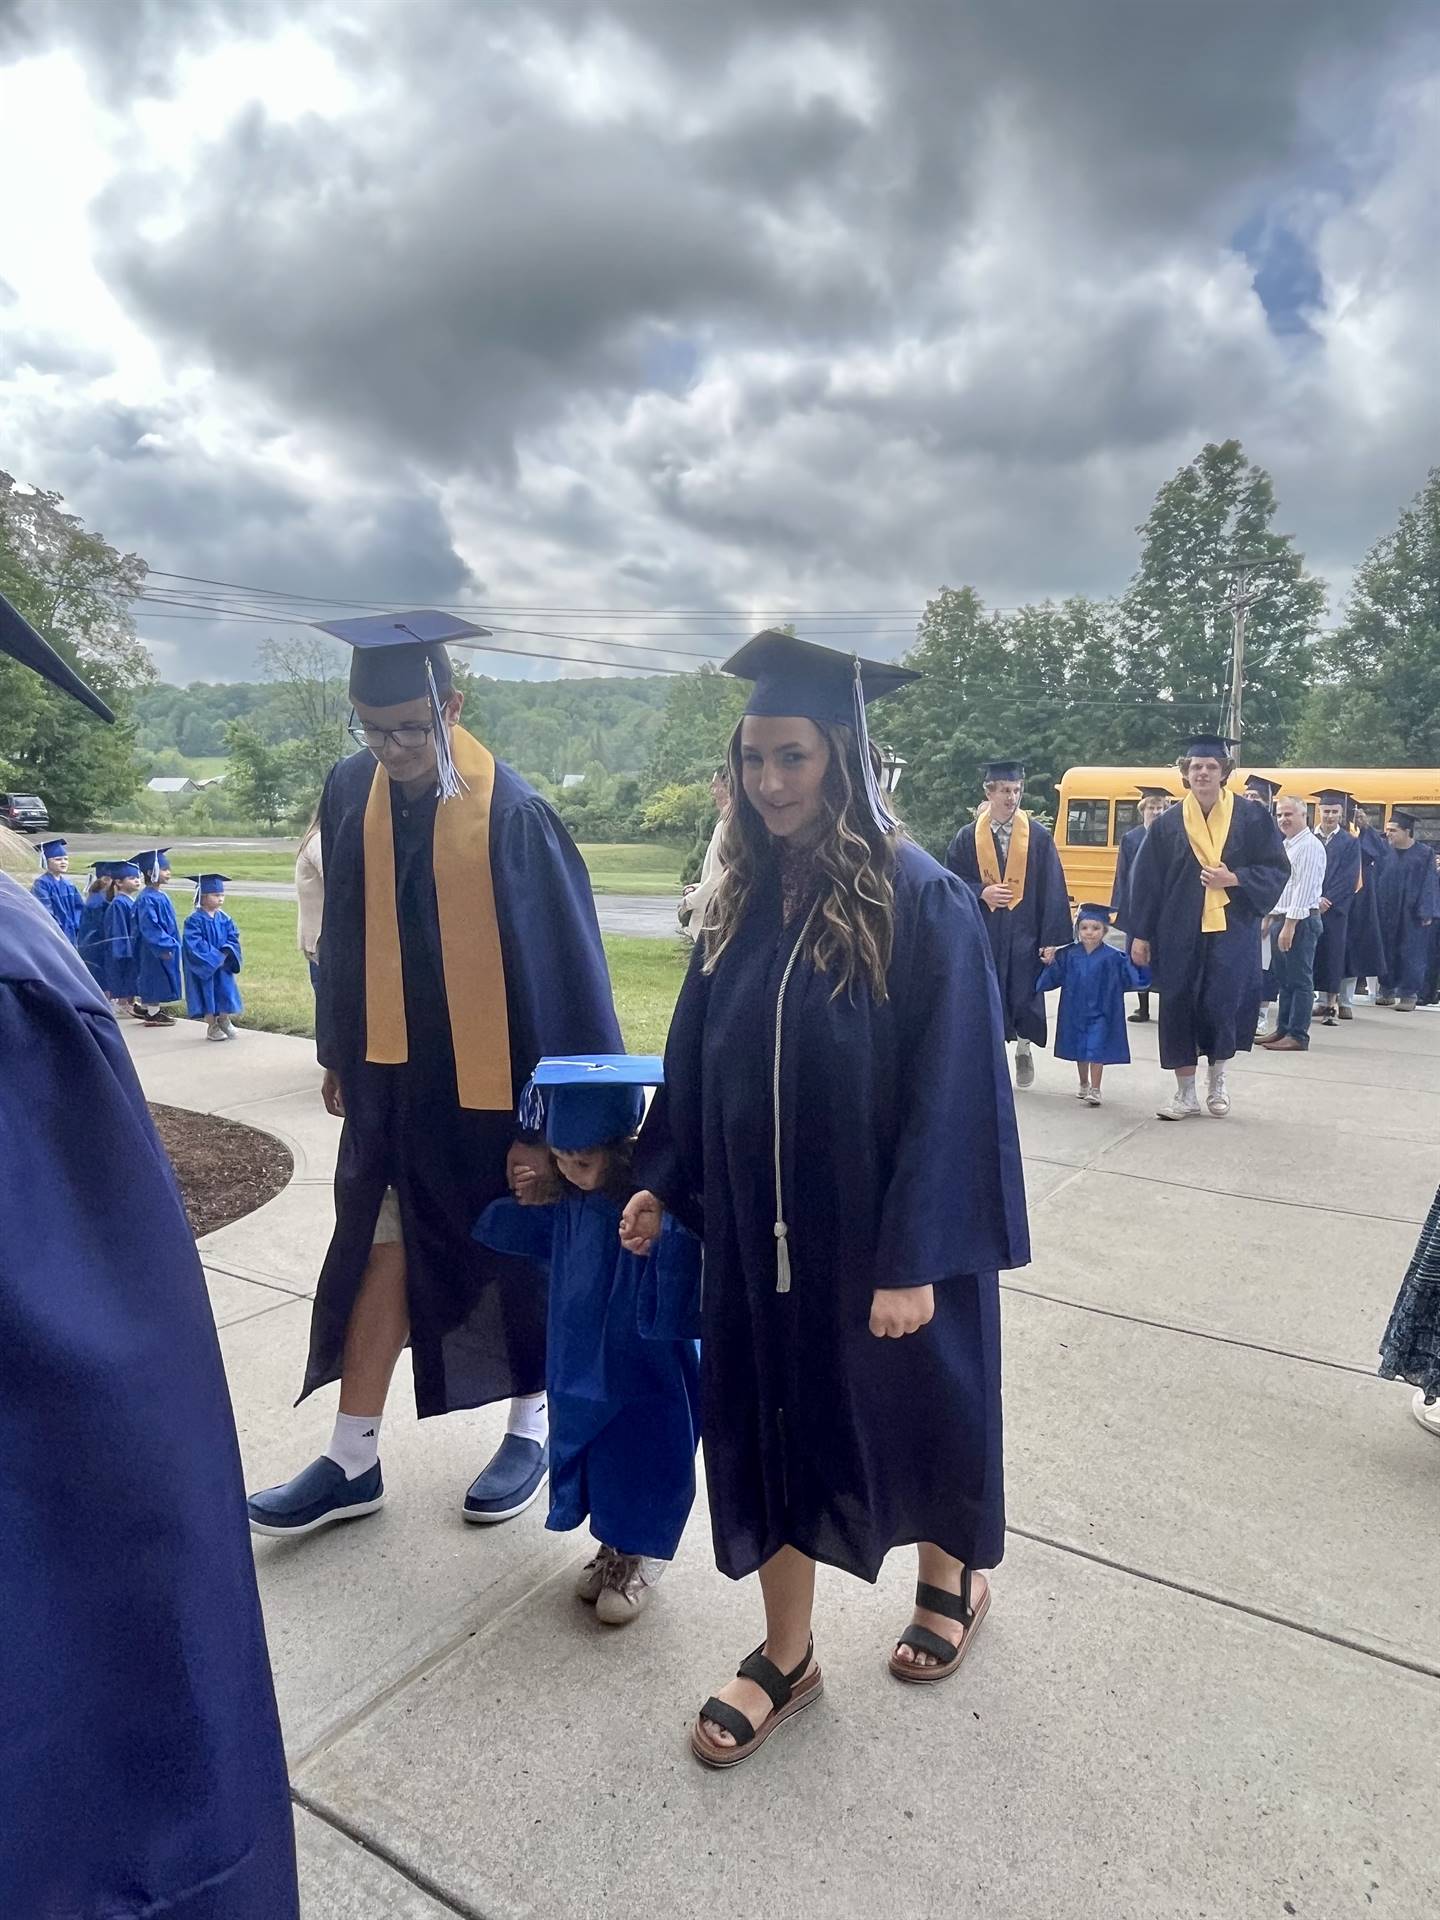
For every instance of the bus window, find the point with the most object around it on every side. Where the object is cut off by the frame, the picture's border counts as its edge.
(1127, 815)
(1427, 823)
(1087, 823)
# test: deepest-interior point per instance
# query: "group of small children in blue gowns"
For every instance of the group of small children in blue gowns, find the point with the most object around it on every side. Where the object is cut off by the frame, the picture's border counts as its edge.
(127, 933)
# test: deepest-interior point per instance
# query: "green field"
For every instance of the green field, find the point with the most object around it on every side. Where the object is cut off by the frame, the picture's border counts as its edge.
(275, 983)
(648, 869)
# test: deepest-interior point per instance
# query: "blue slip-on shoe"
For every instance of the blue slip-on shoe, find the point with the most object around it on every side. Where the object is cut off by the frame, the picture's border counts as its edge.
(314, 1498)
(510, 1483)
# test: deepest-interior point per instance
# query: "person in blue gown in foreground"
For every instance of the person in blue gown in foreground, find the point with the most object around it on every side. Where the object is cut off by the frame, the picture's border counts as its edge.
(837, 1124)
(141, 1768)
(622, 1368)
(1195, 921)
(157, 940)
(1407, 902)
(120, 949)
(1093, 980)
(60, 897)
(213, 957)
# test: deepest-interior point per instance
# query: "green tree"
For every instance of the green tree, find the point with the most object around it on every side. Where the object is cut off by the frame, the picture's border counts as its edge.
(262, 778)
(1209, 529)
(313, 688)
(77, 591)
(1379, 701)
(701, 712)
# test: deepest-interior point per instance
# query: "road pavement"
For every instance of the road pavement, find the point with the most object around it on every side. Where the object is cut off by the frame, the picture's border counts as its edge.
(1209, 1685)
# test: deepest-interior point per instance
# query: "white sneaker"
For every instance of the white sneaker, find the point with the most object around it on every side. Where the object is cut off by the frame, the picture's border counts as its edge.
(1082, 1093)
(592, 1577)
(1092, 1096)
(1024, 1066)
(629, 1582)
(1179, 1107)
(1217, 1097)
(1429, 1417)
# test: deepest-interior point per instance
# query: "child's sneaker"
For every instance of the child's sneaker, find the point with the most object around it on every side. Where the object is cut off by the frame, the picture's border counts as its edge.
(592, 1577)
(629, 1582)
(1092, 1096)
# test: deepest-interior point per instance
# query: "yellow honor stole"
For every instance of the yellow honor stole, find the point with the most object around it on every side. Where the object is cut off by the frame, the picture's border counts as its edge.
(1207, 843)
(1017, 854)
(469, 934)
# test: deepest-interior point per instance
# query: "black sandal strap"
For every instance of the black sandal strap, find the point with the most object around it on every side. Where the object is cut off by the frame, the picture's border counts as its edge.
(764, 1673)
(731, 1719)
(952, 1606)
(922, 1640)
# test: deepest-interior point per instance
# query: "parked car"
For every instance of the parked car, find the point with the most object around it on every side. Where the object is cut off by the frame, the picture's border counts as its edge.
(25, 812)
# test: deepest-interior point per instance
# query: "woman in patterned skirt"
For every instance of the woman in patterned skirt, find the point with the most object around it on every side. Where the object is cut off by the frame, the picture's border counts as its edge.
(1411, 1347)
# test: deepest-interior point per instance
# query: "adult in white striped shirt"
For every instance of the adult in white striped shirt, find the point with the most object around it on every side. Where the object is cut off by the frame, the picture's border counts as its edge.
(1294, 927)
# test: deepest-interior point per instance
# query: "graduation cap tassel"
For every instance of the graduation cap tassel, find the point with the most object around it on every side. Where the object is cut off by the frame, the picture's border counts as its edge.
(532, 1109)
(874, 792)
(447, 773)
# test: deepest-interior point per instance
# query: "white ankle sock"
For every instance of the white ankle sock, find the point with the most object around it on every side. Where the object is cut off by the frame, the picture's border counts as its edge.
(355, 1444)
(1188, 1091)
(529, 1418)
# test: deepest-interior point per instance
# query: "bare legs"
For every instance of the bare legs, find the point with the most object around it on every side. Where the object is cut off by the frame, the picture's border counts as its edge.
(379, 1327)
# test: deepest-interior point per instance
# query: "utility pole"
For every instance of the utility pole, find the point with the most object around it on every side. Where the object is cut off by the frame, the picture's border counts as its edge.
(1241, 602)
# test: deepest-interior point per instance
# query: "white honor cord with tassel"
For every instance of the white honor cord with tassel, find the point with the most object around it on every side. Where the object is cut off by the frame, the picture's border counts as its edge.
(447, 774)
(782, 1231)
(874, 792)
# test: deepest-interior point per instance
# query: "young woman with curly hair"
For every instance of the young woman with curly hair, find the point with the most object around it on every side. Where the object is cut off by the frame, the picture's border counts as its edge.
(837, 1124)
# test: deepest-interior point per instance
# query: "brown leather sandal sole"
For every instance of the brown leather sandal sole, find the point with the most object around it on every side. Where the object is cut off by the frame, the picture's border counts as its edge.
(798, 1690)
(931, 1643)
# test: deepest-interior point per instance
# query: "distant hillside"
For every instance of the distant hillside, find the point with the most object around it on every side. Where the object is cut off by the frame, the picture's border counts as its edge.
(544, 727)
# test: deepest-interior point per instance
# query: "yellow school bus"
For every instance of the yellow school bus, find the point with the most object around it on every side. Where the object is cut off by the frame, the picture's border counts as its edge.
(1098, 805)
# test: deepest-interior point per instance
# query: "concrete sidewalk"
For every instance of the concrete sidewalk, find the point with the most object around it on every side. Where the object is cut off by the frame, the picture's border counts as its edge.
(1210, 1681)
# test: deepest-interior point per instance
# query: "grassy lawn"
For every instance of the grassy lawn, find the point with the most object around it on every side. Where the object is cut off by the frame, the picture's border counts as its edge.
(275, 984)
(648, 869)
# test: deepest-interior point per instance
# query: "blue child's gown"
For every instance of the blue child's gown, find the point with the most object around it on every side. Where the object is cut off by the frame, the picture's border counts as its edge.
(1091, 1021)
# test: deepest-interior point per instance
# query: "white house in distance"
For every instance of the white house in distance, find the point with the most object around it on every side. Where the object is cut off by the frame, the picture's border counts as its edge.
(171, 784)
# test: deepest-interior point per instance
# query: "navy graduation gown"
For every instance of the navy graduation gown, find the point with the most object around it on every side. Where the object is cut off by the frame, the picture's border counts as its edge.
(1408, 897)
(477, 1318)
(622, 1369)
(1090, 1024)
(1130, 844)
(61, 900)
(1342, 877)
(119, 958)
(213, 957)
(1209, 983)
(141, 1770)
(1017, 934)
(900, 1167)
(1364, 949)
(158, 948)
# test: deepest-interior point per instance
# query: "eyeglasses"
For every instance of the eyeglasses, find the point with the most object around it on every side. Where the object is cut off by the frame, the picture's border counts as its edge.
(376, 738)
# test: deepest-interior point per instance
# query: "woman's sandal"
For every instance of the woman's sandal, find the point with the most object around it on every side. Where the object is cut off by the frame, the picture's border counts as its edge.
(945, 1653)
(788, 1692)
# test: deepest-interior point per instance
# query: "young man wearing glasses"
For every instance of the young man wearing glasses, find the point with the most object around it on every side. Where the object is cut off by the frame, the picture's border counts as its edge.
(460, 946)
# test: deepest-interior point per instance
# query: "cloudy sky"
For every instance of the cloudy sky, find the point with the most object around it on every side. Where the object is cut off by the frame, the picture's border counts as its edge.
(775, 304)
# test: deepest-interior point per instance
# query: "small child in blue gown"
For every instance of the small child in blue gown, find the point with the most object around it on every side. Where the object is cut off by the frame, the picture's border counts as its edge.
(210, 945)
(1093, 980)
(622, 1364)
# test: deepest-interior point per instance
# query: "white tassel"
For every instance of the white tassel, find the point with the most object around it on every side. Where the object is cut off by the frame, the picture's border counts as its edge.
(782, 1257)
(874, 792)
(447, 774)
(532, 1109)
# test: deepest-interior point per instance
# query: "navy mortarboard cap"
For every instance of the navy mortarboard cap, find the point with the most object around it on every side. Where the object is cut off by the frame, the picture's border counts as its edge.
(1335, 797)
(20, 640)
(150, 861)
(1088, 910)
(797, 679)
(1209, 746)
(1257, 784)
(588, 1100)
(52, 849)
(1154, 793)
(1399, 818)
(1005, 770)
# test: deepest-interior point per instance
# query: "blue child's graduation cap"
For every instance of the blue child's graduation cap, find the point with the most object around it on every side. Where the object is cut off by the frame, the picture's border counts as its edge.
(207, 883)
(52, 850)
(588, 1100)
(794, 678)
(1088, 910)
(118, 869)
(150, 861)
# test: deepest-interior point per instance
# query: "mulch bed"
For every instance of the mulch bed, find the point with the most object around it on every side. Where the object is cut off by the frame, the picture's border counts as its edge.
(225, 1170)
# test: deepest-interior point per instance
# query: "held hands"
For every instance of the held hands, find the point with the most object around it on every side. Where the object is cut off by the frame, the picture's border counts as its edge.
(896, 1311)
(997, 894)
(1220, 876)
(1047, 954)
(1140, 952)
(531, 1176)
(330, 1094)
(640, 1223)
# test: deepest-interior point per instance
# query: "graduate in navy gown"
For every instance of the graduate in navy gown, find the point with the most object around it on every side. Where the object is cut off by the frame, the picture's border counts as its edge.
(141, 1769)
(60, 897)
(120, 947)
(213, 957)
(837, 1122)
(1093, 980)
(157, 936)
(622, 1367)
(1408, 902)
(1208, 873)
(1342, 887)
(1011, 865)
(1153, 802)
(1364, 949)
(460, 947)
